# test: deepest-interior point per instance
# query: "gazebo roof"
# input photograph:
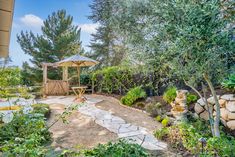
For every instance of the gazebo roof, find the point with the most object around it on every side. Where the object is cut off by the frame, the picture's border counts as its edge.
(77, 60)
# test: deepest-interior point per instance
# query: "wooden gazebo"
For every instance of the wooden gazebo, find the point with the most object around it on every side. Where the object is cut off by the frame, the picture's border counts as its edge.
(61, 87)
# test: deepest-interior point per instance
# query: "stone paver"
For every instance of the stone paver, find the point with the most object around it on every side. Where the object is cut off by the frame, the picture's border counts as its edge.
(115, 124)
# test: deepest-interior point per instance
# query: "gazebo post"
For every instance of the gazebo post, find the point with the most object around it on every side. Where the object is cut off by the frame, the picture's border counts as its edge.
(44, 66)
(78, 71)
(65, 75)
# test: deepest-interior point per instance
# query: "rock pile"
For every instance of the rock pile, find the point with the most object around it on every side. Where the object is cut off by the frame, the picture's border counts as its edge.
(227, 109)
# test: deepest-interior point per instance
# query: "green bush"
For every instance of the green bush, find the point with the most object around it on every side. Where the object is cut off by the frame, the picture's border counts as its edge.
(42, 109)
(10, 77)
(104, 79)
(120, 148)
(25, 135)
(165, 122)
(161, 133)
(229, 83)
(133, 95)
(170, 94)
(187, 135)
(191, 98)
(158, 118)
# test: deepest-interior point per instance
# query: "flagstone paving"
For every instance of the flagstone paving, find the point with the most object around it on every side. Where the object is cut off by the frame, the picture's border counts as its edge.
(115, 124)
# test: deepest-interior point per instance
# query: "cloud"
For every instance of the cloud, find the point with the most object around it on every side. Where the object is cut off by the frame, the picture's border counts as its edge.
(88, 27)
(31, 20)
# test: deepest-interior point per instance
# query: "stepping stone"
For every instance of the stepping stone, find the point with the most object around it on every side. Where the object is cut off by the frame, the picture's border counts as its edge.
(115, 124)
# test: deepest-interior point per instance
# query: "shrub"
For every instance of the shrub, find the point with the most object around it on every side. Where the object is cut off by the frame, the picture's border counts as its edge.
(170, 94)
(104, 79)
(133, 95)
(229, 83)
(42, 109)
(165, 122)
(120, 148)
(154, 109)
(25, 135)
(191, 98)
(187, 135)
(161, 133)
(10, 77)
(158, 118)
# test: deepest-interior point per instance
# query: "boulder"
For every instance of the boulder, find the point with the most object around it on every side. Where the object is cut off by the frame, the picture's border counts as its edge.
(231, 115)
(231, 124)
(230, 106)
(228, 97)
(211, 100)
(222, 102)
(223, 122)
(201, 102)
(195, 115)
(224, 113)
(198, 108)
(204, 115)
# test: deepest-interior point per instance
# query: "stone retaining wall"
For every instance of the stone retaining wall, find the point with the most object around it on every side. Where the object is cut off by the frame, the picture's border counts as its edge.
(227, 109)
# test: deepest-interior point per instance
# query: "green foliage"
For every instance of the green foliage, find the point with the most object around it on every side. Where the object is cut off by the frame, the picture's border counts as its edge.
(165, 122)
(154, 109)
(85, 79)
(106, 44)
(170, 94)
(25, 135)
(60, 38)
(161, 133)
(133, 95)
(120, 148)
(229, 83)
(111, 79)
(191, 98)
(23, 92)
(223, 146)
(158, 118)
(10, 77)
(42, 109)
(187, 135)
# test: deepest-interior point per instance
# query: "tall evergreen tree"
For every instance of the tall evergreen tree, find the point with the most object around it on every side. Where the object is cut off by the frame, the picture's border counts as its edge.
(106, 44)
(60, 38)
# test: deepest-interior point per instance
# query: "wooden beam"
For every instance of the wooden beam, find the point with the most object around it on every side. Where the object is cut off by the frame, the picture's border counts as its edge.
(78, 70)
(65, 73)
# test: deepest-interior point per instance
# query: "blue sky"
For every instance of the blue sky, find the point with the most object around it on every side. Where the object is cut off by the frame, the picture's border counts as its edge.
(29, 14)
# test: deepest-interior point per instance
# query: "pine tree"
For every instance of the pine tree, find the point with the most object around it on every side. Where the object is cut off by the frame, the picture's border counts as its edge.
(106, 44)
(60, 38)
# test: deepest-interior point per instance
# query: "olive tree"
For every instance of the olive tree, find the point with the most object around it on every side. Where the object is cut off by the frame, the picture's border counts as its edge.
(194, 37)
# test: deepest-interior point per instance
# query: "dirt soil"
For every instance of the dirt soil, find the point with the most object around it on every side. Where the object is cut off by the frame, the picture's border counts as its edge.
(82, 132)
(130, 115)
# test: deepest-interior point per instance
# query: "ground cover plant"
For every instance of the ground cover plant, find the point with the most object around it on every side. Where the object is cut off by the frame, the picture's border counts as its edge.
(133, 95)
(229, 83)
(25, 135)
(187, 135)
(121, 148)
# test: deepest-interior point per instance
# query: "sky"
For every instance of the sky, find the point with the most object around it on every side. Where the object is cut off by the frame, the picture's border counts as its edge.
(29, 15)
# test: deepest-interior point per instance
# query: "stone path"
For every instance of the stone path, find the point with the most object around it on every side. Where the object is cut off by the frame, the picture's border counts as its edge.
(115, 124)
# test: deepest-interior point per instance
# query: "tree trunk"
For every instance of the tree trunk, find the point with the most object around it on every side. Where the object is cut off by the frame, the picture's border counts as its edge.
(217, 117)
(210, 110)
(205, 101)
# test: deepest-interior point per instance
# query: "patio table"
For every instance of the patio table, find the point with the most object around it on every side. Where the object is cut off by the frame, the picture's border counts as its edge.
(79, 92)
